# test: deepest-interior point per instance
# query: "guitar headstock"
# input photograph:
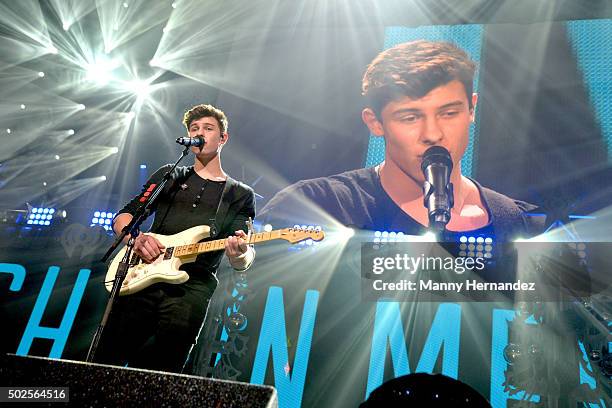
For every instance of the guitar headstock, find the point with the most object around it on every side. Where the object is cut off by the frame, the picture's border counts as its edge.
(295, 235)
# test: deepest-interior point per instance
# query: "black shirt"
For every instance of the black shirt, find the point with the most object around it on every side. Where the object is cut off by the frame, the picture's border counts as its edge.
(357, 199)
(188, 201)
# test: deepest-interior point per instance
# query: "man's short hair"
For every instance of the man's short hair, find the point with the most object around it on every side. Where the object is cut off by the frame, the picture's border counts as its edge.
(413, 69)
(205, 111)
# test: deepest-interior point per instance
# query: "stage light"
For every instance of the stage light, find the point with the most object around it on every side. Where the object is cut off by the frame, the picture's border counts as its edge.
(479, 246)
(44, 216)
(346, 233)
(139, 88)
(131, 116)
(174, 5)
(429, 236)
(153, 62)
(44, 183)
(143, 166)
(57, 157)
(66, 26)
(22, 106)
(81, 106)
(267, 227)
(101, 70)
(114, 149)
(70, 132)
(125, 5)
(164, 30)
(388, 236)
(8, 131)
(103, 178)
(103, 219)
(52, 50)
(41, 74)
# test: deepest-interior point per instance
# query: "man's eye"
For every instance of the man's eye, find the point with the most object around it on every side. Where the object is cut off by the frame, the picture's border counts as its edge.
(450, 114)
(410, 118)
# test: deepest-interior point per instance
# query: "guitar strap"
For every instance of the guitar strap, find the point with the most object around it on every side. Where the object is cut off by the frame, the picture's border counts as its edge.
(227, 197)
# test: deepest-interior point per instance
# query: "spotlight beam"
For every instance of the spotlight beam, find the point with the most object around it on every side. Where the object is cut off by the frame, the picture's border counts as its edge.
(25, 18)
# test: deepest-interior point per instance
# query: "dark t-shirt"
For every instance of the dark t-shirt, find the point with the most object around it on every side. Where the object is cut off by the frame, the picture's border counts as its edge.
(188, 201)
(357, 199)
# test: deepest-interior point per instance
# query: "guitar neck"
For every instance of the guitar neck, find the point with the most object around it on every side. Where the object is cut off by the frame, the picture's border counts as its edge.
(219, 244)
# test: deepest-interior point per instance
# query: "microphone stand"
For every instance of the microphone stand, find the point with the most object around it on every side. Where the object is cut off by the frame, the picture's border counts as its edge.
(133, 228)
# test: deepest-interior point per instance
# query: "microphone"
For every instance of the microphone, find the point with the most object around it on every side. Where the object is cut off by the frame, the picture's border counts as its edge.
(197, 141)
(437, 189)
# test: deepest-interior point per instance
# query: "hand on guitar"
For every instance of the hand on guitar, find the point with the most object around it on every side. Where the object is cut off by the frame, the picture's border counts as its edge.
(239, 254)
(148, 248)
(236, 245)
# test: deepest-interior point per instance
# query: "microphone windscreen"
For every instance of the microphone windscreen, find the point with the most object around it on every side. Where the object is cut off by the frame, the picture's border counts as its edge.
(438, 155)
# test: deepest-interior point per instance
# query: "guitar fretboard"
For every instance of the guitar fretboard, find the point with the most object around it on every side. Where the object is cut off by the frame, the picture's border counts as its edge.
(219, 244)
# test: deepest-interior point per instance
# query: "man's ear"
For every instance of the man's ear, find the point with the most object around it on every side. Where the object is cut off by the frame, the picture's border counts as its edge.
(224, 137)
(473, 110)
(371, 120)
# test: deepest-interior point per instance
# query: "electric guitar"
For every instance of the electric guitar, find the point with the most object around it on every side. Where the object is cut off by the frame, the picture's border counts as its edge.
(184, 247)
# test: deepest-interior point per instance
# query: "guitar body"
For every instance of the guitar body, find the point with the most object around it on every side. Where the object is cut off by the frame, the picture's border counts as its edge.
(184, 248)
(164, 269)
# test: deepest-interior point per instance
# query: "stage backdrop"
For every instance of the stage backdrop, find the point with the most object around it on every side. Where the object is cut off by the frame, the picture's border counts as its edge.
(296, 320)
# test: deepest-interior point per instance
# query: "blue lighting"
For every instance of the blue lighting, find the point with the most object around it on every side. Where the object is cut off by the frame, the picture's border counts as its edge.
(480, 246)
(143, 166)
(389, 236)
(102, 219)
(40, 216)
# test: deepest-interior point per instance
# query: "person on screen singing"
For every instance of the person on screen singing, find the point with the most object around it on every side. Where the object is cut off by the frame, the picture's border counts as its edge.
(418, 94)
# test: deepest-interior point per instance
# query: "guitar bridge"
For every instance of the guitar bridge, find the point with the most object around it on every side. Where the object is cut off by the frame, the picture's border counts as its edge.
(168, 253)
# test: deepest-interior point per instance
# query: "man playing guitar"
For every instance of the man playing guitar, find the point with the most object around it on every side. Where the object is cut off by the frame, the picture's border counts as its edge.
(156, 327)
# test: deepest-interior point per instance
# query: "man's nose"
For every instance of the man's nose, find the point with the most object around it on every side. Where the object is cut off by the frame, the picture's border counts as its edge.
(432, 132)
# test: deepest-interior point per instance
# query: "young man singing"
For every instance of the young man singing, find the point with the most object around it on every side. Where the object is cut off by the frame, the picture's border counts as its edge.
(419, 94)
(155, 328)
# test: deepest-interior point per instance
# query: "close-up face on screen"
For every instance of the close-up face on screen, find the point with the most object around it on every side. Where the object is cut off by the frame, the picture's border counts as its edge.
(306, 204)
